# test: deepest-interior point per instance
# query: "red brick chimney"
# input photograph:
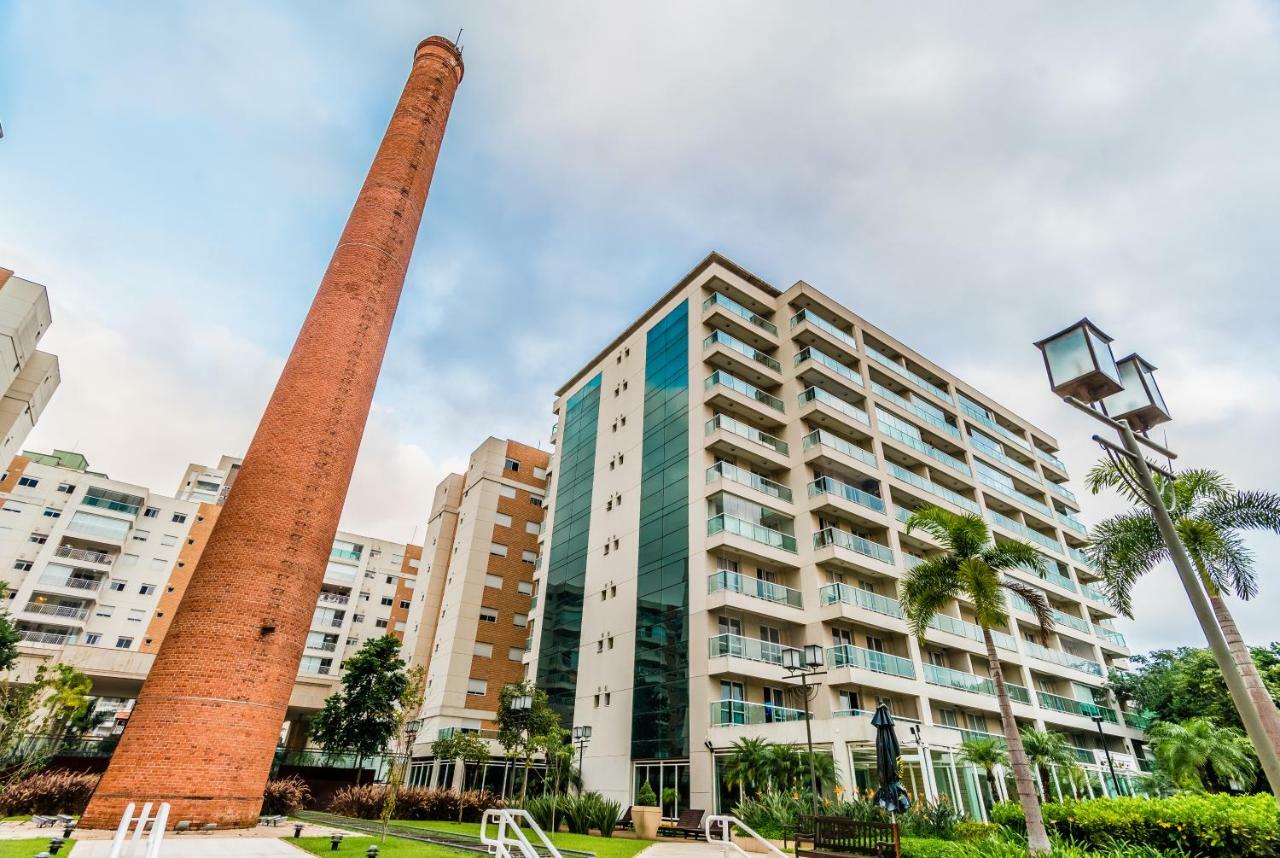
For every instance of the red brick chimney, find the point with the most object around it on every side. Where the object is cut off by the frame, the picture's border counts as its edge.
(208, 719)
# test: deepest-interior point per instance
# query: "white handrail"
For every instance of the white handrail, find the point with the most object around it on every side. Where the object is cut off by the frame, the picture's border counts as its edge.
(119, 846)
(726, 823)
(510, 818)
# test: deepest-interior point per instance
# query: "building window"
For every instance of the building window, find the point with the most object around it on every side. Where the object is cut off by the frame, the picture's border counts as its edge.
(22, 565)
(118, 586)
(142, 535)
(387, 601)
(382, 624)
(136, 615)
(502, 519)
(494, 581)
(404, 604)
(533, 527)
(608, 698)
(497, 549)
(49, 512)
(524, 588)
(515, 653)
(536, 500)
(28, 482)
(484, 650)
(520, 620)
(169, 539)
(507, 491)
(477, 687)
(600, 645)
(151, 512)
(488, 615)
(610, 639)
(38, 538)
(179, 518)
(124, 643)
(66, 489)
(540, 473)
(92, 639)
(105, 611)
(529, 556)
(147, 589)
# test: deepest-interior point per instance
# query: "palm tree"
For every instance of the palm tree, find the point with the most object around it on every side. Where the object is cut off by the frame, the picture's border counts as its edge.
(974, 567)
(985, 752)
(1208, 513)
(1046, 748)
(787, 768)
(1198, 750)
(747, 767)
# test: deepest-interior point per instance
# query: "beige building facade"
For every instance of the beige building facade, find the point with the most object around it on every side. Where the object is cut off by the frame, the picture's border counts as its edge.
(28, 376)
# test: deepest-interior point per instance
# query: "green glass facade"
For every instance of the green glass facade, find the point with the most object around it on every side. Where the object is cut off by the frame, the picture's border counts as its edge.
(660, 707)
(567, 568)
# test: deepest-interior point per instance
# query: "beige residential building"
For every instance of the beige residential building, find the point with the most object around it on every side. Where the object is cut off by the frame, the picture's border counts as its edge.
(28, 376)
(730, 481)
(96, 568)
(468, 624)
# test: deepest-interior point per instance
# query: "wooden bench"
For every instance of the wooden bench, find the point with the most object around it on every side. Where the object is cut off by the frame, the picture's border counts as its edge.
(689, 824)
(839, 837)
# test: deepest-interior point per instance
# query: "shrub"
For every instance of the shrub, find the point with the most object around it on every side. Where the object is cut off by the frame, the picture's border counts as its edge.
(540, 809)
(361, 802)
(932, 847)
(579, 811)
(1214, 824)
(930, 820)
(772, 814)
(476, 802)
(1012, 846)
(49, 793)
(285, 796)
(418, 803)
(968, 829)
(606, 815)
(646, 796)
(862, 811)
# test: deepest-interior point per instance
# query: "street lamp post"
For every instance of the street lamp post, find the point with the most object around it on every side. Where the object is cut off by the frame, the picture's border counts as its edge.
(802, 665)
(1102, 737)
(524, 703)
(1084, 373)
(582, 737)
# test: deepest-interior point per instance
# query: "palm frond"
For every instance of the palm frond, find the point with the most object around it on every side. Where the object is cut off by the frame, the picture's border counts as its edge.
(1122, 549)
(1233, 565)
(982, 584)
(926, 589)
(1250, 510)
(1106, 474)
(962, 534)
(1008, 553)
(1034, 597)
(1203, 543)
(1195, 485)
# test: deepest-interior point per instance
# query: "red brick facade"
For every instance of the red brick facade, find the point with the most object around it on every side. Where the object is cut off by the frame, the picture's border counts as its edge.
(207, 722)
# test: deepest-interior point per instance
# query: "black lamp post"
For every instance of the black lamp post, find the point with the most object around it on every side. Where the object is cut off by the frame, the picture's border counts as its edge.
(582, 737)
(523, 704)
(1102, 737)
(802, 665)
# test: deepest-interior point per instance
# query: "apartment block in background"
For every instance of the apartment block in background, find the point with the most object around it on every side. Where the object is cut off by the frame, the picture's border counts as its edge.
(96, 568)
(28, 376)
(730, 480)
(469, 621)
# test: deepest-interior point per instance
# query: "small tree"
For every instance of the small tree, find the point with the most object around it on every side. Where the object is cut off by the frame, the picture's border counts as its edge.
(34, 716)
(9, 636)
(985, 752)
(1197, 754)
(1046, 748)
(463, 748)
(410, 702)
(362, 717)
(523, 731)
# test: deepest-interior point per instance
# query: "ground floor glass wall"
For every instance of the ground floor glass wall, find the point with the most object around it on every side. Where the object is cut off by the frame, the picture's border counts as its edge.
(669, 780)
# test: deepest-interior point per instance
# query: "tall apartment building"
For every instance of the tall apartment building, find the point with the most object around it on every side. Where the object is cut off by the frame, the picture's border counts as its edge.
(28, 376)
(468, 625)
(731, 479)
(96, 567)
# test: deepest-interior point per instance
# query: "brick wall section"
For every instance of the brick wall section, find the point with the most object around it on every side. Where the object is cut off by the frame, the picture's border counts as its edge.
(500, 670)
(206, 724)
(404, 595)
(180, 577)
(17, 465)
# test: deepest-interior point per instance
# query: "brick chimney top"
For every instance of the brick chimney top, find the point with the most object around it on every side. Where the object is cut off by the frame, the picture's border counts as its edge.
(444, 49)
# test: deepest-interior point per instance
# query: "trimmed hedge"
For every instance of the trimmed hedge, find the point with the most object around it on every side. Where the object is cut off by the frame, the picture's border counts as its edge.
(1209, 824)
(417, 803)
(52, 792)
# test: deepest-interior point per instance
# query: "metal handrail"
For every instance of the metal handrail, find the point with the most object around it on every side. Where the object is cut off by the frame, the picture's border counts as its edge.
(722, 827)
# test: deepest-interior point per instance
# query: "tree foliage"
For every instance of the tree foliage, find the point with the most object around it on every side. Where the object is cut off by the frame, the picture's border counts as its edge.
(35, 716)
(1198, 755)
(8, 633)
(364, 716)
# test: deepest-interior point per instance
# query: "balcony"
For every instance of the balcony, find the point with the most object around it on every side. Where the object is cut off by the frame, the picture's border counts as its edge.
(1111, 636)
(996, 453)
(756, 588)
(1062, 492)
(863, 713)
(820, 397)
(323, 646)
(91, 585)
(867, 659)
(980, 414)
(1007, 489)
(751, 352)
(931, 487)
(740, 713)
(334, 598)
(972, 631)
(945, 677)
(724, 302)
(1071, 706)
(852, 542)
(754, 532)
(100, 558)
(822, 359)
(1055, 577)
(838, 337)
(823, 438)
(927, 413)
(1064, 658)
(906, 434)
(1079, 556)
(725, 423)
(114, 501)
(1071, 522)
(913, 377)
(727, 471)
(736, 646)
(831, 486)
(99, 532)
(832, 594)
(1020, 529)
(1071, 621)
(730, 392)
(47, 638)
(65, 612)
(1051, 459)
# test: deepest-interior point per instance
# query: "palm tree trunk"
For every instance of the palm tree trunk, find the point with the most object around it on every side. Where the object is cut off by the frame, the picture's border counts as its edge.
(1037, 837)
(1248, 670)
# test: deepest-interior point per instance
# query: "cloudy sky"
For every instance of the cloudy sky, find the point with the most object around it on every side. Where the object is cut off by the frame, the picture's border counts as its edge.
(970, 178)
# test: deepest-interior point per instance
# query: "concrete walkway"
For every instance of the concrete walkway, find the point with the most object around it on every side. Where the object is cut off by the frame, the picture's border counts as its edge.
(680, 849)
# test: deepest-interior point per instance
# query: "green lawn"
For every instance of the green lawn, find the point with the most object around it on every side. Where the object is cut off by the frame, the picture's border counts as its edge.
(604, 847)
(25, 848)
(392, 847)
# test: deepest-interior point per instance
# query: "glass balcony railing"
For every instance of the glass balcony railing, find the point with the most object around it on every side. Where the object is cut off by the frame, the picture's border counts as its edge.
(115, 504)
(810, 353)
(1018, 692)
(817, 394)
(1058, 578)
(755, 532)
(831, 486)
(995, 452)
(1022, 530)
(1110, 635)
(972, 631)
(732, 342)
(852, 542)
(1062, 657)
(1008, 491)
(737, 713)
(1057, 703)
(749, 648)
(720, 378)
(716, 299)
(913, 377)
(1071, 522)
(1093, 594)
(744, 430)
(948, 678)
(911, 561)
(1079, 556)
(980, 414)
(925, 414)
(931, 487)
(823, 325)
(344, 554)
(831, 594)
(727, 471)
(1071, 621)
(103, 531)
(735, 582)
(863, 713)
(1051, 459)
(893, 429)
(1018, 603)
(1062, 492)
(826, 439)
(867, 659)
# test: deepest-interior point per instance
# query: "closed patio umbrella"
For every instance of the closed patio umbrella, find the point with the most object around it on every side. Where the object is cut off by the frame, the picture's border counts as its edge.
(891, 796)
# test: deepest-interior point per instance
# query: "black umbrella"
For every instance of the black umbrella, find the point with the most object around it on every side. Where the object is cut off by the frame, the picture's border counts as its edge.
(891, 796)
